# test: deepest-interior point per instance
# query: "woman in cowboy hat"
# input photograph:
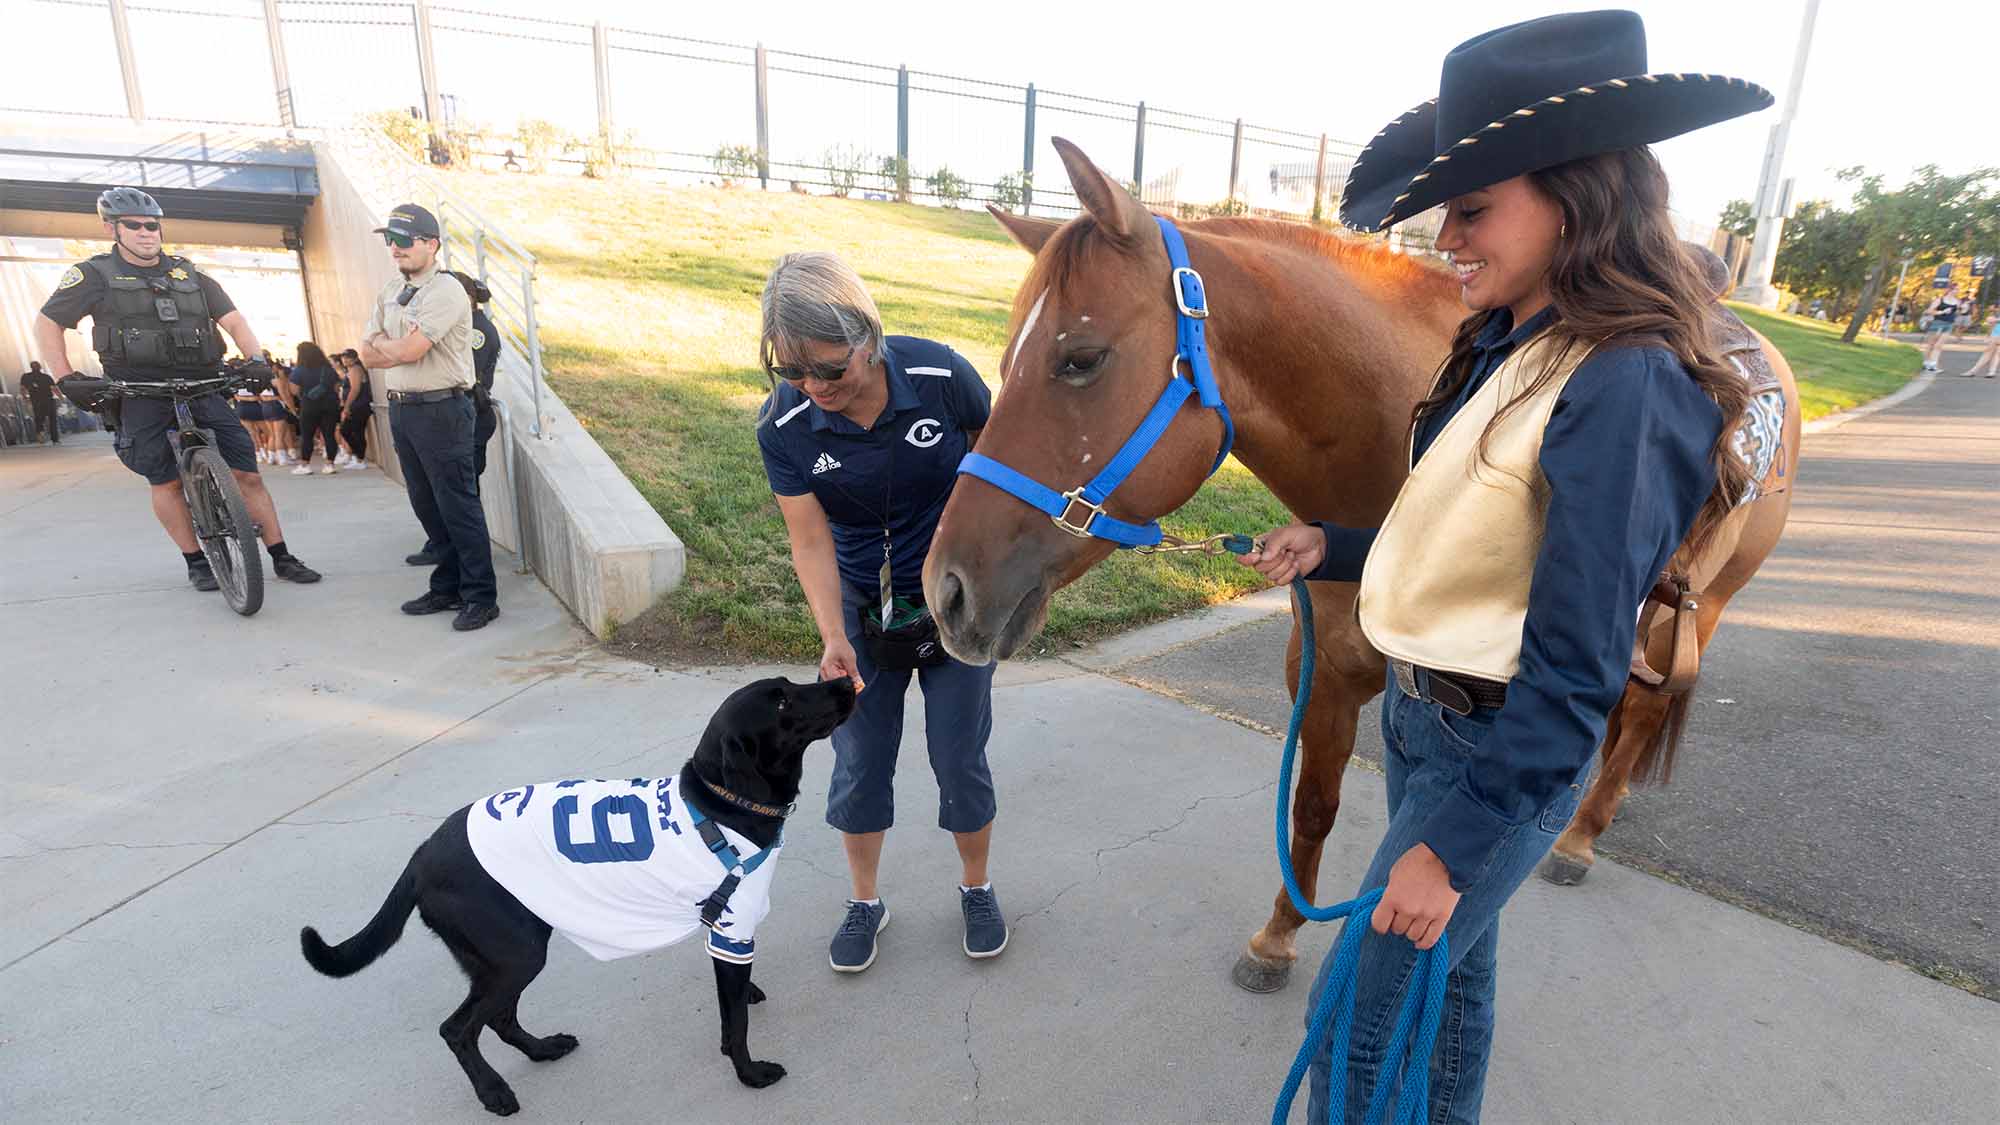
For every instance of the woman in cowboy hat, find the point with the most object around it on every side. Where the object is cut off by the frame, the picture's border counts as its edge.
(1592, 409)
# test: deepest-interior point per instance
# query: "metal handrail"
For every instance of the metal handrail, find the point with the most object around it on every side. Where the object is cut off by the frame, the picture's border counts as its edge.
(513, 489)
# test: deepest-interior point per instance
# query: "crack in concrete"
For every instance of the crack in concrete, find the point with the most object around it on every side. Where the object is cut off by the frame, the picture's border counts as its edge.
(44, 849)
(977, 1073)
(290, 823)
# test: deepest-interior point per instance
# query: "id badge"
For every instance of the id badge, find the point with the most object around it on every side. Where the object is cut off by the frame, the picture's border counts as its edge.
(882, 580)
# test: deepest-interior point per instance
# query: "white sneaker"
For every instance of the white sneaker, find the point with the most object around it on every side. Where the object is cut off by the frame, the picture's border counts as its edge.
(342, 461)
(303, 471)
(327, 469)
(262, 458)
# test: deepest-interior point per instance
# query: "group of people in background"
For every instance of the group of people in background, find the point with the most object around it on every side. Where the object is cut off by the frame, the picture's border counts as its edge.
(1950, 314)
(318, 400)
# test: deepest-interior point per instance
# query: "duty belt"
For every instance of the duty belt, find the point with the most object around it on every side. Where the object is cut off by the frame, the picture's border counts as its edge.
(1458, 693)
(425, 396)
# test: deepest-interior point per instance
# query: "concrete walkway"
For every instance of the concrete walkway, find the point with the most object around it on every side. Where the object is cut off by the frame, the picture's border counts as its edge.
(187, 788)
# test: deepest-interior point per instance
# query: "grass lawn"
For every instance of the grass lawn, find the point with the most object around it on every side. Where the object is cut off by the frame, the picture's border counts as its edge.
(1832, 375)
(649, 316)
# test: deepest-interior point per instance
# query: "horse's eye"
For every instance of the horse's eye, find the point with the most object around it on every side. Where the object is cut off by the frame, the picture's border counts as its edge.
(1079, 365)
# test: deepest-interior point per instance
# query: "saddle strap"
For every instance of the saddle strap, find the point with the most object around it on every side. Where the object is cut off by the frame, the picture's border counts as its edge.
(1684, 664)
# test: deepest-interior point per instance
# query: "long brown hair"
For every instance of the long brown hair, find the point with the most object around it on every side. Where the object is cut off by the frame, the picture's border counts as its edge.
(1620, 276)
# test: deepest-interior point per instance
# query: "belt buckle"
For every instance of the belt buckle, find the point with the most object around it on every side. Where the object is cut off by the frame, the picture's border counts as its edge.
(1448, 694)
(1406, 678)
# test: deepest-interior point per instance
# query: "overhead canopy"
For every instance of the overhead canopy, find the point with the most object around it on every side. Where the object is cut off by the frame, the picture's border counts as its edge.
(210, 177)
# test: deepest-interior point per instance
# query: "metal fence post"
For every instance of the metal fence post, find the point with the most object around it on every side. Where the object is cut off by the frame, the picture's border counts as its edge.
(600, 50)
(1028, 156)
(121, 32)
(902, 134)
(479, 252)
(420, 16)
(281, 72)
(1319, 181)
(763, 121)
(1139, 153)
(1235, 159)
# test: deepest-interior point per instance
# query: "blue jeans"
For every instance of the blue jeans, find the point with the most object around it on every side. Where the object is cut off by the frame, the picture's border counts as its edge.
(1426, 748)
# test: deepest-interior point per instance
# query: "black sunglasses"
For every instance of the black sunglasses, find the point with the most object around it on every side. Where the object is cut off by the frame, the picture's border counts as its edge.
(824, 372)
(399, 241)
(134, 224)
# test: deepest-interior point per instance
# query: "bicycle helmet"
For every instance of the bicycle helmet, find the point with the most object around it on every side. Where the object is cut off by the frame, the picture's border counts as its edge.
(119, 201)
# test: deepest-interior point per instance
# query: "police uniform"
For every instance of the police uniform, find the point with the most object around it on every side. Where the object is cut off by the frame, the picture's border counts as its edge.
(149, 324)
(485, 357)
(894, 476)
(431, 417)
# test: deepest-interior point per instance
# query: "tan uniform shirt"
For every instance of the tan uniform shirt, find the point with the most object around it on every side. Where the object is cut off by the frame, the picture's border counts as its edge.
(443, 313)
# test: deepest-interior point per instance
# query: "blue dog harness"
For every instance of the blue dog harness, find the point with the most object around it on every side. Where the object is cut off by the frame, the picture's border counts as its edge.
(1087, 501)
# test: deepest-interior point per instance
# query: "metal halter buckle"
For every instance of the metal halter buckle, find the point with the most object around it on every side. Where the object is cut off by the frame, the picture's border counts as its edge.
(1198, 310)
(1075, 498)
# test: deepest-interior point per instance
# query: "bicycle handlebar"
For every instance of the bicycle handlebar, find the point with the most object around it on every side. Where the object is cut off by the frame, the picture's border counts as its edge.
(89, 394)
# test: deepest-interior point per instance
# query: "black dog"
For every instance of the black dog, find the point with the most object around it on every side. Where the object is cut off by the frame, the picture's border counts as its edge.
(743, 777)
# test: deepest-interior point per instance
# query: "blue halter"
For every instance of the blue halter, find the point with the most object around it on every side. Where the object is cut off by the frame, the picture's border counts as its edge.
(1087, 501)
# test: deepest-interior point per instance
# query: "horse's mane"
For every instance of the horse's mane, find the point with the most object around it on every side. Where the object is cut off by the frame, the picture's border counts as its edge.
(1075, 243)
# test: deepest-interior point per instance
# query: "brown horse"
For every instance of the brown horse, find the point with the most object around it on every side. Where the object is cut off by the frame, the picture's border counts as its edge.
(1321, 346)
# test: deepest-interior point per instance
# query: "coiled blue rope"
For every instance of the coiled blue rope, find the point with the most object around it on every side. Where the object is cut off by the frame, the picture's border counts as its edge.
(1423, 1007)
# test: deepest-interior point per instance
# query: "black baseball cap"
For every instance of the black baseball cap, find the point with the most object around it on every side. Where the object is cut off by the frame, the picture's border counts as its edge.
(410, 221)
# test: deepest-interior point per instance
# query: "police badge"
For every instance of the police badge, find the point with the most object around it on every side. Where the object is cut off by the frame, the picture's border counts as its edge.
(71, 277)
(478, 339)
(178, 274)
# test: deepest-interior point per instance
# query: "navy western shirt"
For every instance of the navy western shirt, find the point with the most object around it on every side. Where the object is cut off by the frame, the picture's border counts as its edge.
(898, 472)
(1626, 454)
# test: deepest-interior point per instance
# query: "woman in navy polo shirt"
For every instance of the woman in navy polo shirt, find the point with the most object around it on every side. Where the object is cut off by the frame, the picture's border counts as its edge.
(861, 438)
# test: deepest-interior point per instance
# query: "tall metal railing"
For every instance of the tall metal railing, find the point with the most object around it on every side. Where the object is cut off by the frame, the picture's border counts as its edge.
(498, 86)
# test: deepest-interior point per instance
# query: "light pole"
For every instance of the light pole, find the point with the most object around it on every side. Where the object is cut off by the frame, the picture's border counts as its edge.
(1757, 288)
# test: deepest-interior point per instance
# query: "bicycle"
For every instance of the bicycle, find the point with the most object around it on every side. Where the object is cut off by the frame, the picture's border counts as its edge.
(221, 520)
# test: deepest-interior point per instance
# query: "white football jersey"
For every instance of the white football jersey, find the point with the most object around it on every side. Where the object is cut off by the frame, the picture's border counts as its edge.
(617, 866)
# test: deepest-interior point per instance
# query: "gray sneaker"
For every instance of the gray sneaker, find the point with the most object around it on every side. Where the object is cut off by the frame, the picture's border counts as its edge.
(853, 946)
(985, 929)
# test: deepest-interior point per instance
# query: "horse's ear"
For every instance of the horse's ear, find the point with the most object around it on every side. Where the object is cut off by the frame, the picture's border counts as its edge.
(1030, 233)
(1116, 212)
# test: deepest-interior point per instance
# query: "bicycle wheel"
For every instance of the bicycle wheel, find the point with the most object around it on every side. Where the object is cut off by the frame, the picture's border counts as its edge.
(222, 523)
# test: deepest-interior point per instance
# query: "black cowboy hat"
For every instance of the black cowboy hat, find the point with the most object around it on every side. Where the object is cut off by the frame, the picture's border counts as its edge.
(1531, 96)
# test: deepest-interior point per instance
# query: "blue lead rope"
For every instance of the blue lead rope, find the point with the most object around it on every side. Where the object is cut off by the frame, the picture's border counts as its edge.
(1423, 1007)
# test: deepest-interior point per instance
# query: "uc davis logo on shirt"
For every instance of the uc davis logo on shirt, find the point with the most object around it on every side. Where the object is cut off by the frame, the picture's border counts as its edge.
(924, 433)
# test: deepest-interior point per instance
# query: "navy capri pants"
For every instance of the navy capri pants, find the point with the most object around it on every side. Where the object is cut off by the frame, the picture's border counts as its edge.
(958, 719)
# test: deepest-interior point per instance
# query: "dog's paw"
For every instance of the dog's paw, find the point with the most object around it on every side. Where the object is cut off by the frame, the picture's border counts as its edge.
(500, 1100)
(756, 995)
(553, 1047)
(758, 1075)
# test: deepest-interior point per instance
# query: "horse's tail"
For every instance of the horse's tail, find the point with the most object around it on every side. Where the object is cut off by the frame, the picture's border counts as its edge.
(361, 950)
(1655, 764)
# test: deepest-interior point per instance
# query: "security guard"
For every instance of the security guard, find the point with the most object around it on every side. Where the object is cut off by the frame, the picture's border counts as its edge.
(485, 358)
(41, 392)
(154, 317)
(419, 338)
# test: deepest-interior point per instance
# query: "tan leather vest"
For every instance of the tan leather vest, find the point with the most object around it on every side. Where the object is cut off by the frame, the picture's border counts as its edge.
(1446, 582)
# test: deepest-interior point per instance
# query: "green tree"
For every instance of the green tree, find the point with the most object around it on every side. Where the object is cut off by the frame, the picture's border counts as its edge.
(1930, 218)
(1823, 254)
(1737, 219)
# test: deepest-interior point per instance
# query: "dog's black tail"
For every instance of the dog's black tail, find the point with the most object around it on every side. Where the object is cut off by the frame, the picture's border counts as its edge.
(361, 950)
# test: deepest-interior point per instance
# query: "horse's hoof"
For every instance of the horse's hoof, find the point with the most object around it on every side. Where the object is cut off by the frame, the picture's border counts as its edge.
(1254, 975)
(1564, 871)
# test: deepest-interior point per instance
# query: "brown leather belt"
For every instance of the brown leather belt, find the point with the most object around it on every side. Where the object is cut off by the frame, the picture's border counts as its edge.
(1448, 689)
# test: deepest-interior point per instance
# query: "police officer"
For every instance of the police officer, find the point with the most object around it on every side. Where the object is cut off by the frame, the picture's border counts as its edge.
(154, 317)
(419, 339)
(485, 357)
(861, 438)
(41, 392)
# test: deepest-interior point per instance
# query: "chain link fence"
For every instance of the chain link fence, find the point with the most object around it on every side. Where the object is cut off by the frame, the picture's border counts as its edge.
(529, 92)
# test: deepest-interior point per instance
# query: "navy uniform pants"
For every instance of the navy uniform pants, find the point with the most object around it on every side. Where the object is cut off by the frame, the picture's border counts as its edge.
(958, 718)
(434, 444)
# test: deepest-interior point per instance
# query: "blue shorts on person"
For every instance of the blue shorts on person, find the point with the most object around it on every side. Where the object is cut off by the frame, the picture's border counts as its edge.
(143, 446)
(958, 719)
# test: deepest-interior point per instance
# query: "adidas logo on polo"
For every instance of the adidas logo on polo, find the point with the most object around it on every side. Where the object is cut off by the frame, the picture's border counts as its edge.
(826, 463)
